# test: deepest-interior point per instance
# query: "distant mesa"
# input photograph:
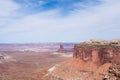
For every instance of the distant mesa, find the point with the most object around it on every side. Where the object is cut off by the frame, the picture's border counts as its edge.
(61, 48)
(64, 48)
(91, 61)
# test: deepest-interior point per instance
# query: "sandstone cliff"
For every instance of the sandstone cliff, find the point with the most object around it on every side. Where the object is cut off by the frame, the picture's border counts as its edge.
(91, 61)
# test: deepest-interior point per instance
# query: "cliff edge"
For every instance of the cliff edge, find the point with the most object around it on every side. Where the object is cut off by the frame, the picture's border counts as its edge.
(91, 61)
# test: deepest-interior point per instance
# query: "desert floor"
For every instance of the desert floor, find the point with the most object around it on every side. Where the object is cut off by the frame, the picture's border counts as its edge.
(29, 65)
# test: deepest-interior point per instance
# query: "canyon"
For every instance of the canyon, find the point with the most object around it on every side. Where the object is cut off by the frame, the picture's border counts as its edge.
(91, 61)
(31, 61)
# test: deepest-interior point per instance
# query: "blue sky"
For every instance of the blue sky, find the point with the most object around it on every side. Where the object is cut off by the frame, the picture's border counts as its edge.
(33, 21)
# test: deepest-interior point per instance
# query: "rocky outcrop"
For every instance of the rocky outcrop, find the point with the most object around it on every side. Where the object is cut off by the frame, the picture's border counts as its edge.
(61, 49)
(98, 53)
(113, 72)
(91, 60)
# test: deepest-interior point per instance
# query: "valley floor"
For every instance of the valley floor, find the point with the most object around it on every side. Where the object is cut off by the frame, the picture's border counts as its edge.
(29, 65)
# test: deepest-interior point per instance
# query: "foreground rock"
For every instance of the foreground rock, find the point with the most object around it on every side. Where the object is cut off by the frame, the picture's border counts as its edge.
(91, 61)
(113, 72)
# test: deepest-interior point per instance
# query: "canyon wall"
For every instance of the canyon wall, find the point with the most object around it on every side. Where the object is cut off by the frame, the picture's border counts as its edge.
(91, 61)
(98, 53)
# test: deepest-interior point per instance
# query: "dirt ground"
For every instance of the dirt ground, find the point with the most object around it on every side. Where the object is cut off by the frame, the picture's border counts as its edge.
(28, 65)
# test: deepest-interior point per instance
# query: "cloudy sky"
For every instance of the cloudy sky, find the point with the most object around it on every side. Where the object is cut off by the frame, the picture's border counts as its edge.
(33, 21)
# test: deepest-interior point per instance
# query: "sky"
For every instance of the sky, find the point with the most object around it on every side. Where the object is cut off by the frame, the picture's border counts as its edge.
(34, 21)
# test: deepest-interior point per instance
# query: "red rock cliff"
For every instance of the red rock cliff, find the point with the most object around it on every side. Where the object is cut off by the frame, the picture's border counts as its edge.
(90, 61)
(97, 53)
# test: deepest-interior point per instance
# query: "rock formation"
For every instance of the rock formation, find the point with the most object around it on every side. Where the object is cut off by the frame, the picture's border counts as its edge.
(113, 72)
(91, 61)
(61, 49)
(98, 53)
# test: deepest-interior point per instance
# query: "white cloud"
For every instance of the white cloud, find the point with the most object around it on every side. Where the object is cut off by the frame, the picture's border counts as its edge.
(7, 7)
(94, 21)
(8, 12)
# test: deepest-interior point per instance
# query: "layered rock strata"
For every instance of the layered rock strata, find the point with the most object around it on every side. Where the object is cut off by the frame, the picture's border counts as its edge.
(91, 61)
